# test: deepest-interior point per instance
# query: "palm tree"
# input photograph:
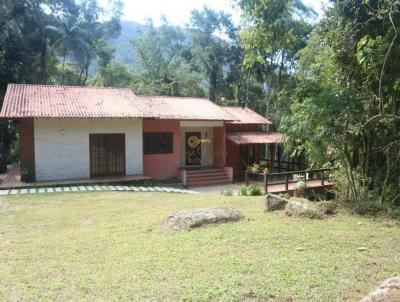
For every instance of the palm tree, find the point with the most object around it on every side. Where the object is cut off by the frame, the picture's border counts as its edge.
(71, 37)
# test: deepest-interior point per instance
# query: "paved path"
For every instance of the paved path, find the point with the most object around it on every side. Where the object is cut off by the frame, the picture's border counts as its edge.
(94, 188)
(234, 188)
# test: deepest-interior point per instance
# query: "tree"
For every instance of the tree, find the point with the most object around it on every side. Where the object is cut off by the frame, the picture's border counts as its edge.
(274, 31)
(208, 50)
(70, 39)
(114, 74)
(347, 108)
(161, 66)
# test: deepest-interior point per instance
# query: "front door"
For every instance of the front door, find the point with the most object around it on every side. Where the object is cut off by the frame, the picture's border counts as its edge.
(193, 148)
(107, 154)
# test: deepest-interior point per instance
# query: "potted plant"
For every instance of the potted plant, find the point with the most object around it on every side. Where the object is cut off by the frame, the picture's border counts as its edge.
(255, 168)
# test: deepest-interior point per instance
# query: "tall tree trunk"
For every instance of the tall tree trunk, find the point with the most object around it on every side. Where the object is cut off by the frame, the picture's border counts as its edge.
(213, 83)
(63, 65)
(43, 63)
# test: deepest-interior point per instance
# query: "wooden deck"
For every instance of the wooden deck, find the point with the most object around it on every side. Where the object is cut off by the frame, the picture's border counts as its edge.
(288, 181)
(12, 179)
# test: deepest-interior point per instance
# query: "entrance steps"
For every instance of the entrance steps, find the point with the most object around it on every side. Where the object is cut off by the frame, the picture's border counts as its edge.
(206, 177)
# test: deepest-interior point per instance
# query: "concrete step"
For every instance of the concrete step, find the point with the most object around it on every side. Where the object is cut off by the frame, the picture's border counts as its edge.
(206, 178)
(204, 171)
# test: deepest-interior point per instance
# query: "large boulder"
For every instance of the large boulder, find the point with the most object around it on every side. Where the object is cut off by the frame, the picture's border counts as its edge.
(388, 291)
(188, 219)
(299, 208)
(275, 202)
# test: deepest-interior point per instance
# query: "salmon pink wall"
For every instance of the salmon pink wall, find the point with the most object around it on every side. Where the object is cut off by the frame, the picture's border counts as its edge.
(163, 166)
(233, 157)
(219, 147)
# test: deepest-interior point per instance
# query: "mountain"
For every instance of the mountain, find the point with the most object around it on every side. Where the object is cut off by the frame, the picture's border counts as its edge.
(124, 51)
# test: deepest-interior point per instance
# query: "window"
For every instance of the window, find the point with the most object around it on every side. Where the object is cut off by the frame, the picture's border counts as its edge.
(157, 142)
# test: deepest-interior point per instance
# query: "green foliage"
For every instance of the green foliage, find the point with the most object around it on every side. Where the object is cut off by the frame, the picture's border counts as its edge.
(346, 108)
(243, 190)
(301, 185)
(114, 74)
(27, 174)
(255, 168)
(273, 34)
(250, 190)
(228, 192)
(162, 67)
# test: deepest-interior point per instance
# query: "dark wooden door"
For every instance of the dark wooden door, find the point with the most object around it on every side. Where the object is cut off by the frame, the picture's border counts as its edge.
(193, 148)
(107, 155)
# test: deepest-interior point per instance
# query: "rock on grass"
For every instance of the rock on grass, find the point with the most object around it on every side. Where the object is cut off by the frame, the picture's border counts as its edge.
(275, 202)
(189, 219)
(388, 291)
(298, 208)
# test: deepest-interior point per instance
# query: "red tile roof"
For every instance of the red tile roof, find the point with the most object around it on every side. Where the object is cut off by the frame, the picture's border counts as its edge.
(246, 116)
(185, 108)
(254, 137)
(25, 100)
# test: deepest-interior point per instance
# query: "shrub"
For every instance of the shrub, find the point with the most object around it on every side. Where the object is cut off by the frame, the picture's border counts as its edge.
(301, 185)
(228, 192)
(254, 190)
(300, 188)
(251, 190)
(27, 174)
(243, 190)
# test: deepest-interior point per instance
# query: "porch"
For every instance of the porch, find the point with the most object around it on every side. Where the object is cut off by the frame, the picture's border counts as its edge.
(12, 179)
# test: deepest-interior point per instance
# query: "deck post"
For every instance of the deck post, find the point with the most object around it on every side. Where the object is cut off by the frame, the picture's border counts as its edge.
(305, 179)
(246, 177)
(265, 183)
(287, 182)
(323, 178)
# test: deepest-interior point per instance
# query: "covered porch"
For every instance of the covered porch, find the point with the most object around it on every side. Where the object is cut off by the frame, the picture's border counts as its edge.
(12, 179)
(248, 148)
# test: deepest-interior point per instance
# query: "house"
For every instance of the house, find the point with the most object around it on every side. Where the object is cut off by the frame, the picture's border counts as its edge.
(69, 132)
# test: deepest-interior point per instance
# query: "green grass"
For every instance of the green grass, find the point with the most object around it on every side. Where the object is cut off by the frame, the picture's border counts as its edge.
(108, 246)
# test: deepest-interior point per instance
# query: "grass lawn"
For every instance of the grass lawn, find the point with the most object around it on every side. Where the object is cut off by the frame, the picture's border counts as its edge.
(108, 246)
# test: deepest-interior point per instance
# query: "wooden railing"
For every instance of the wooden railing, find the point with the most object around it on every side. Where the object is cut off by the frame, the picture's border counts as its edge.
(290, 177)
(282, 165)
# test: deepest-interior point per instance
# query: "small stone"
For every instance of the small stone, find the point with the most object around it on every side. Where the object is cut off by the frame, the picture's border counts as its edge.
(362, 248)
(299, 249)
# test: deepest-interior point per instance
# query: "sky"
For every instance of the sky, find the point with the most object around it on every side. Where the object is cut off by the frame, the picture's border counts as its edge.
(178, 11)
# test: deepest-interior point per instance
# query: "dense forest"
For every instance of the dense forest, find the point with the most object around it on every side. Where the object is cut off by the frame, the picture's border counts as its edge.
(332, 86)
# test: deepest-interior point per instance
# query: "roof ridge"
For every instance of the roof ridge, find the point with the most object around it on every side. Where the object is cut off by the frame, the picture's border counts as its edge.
(173, 97)
(69, 86)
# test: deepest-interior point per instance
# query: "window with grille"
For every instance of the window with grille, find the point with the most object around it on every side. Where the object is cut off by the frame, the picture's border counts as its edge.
(157, 142)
